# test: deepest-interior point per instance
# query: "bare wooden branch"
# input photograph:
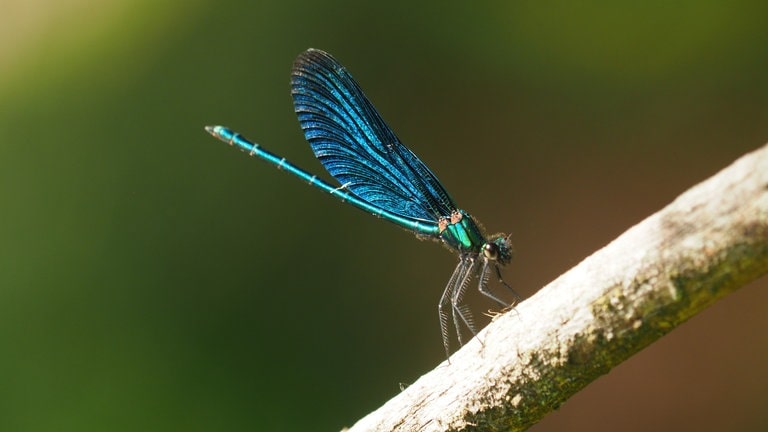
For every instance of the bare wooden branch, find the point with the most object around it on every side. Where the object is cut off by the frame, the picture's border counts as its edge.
(708, 242)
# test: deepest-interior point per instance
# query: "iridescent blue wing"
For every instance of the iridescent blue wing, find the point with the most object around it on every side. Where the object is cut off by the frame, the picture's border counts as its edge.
(354, 144)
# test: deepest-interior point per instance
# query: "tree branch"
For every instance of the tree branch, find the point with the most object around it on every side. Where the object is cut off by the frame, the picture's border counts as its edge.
(708, 242)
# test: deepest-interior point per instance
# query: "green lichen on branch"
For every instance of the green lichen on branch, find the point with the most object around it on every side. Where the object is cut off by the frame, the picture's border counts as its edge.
(710, 241)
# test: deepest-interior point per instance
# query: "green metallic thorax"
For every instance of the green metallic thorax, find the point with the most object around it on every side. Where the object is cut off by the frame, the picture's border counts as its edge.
(460, 232)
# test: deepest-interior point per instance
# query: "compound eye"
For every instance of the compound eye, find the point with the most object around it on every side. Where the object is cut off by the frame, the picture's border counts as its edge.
(491, 251)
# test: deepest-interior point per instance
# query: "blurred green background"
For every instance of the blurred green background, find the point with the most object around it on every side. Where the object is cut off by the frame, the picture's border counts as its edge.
(154, 279)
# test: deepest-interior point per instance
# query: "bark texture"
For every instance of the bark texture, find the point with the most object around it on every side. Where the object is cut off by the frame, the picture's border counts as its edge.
(711, 240)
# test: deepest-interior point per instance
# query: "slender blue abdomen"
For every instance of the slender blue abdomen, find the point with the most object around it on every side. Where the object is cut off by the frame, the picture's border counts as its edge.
(232, 138)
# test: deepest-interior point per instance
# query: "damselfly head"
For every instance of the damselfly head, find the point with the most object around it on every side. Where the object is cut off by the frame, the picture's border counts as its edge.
(498, 249)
